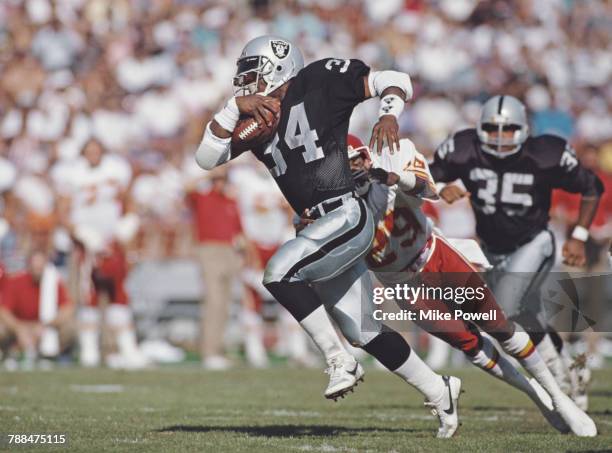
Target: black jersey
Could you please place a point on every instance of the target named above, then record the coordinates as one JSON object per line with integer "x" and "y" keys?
{"x": 511, "y": 196}
{"x": 308, "y": 156}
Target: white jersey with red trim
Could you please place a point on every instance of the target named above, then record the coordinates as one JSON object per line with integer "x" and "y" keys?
{"x": 95, "y": 194}
{"x": 402, "y": 229}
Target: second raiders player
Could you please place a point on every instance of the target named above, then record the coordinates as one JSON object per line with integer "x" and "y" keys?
{"x": 509, "y": 177}
{"x": 307, "y": 157}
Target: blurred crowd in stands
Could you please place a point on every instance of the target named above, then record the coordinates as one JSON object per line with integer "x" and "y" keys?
{"x": 103, "y": 102}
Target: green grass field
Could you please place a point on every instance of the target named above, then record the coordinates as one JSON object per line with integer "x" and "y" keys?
{"x": 186, "y": 409}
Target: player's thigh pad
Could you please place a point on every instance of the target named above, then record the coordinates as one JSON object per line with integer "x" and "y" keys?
{"x": 325, "y": 248}
{"x": 348, "y": 299}
{"x": 519, "y": 272}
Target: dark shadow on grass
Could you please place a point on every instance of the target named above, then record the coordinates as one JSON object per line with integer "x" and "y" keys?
{"x": 283, "y": 430}
{"x": 605, "y": 412}
{"x": 495, "y": 408}
{"x": 380, "y": 407}
{"x": 601, "y": 392}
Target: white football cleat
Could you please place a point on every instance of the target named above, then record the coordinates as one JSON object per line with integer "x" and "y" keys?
{"x": 447, "y": 408}
{"x": 119, "y": 361}
{"x": 579, "y": 422}
{"x": 216, "y": 363}
{"x": 544, "y": 402}
{"x": 344, "y": 374}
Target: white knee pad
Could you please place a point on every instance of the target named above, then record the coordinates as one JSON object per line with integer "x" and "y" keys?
{"x": 283, "y": 260}
{"x": 118, "y": 315}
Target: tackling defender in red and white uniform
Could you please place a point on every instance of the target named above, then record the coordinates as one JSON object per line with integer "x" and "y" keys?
{"x": 406, "y": 245}
{"x": 92, "y": 206}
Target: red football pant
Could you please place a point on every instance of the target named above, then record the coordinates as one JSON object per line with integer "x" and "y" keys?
{"x": 109, "y": 274}
{"x": 446, "y": 267}
{"x": 264, "y": 253}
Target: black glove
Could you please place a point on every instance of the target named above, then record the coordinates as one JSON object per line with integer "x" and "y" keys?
{"x": 378, "y": 175}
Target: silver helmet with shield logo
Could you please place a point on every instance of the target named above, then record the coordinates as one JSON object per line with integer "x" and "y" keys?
{"x": 501, "y": 115}
{"x": 269, "y": 58}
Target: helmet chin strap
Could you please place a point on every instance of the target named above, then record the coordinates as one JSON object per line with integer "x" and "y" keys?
{"x": 269, "y": 89}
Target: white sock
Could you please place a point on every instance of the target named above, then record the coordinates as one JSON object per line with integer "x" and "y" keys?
{"x": 253, "y": 339}
{"x": 89, "y": 347}
{"x": 521, "y": 348}
{"x": 416, "y": 373}
{"x": 489, "y": 359}
{"x": 318, "y": 325}
{"x": 49, "y": 343}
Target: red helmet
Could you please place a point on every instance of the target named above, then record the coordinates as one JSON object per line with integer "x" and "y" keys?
{"x": 356, "y": 148}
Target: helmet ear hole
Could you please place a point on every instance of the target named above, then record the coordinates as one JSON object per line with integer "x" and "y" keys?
{"x": 279, "y": 68}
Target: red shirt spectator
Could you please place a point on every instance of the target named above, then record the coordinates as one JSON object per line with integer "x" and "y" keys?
{"x": 569, "y": 203}
{"x": 21, "y": 296}
{"x": 216, "y": 216}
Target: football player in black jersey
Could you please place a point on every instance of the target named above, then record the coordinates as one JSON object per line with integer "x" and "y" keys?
{"x": 308, "y": 159}
{"x": 509, "y": 177}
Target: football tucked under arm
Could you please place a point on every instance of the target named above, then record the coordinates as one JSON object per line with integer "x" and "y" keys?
{"x": 229, "y": 133}
{"x": 249, "y": 134}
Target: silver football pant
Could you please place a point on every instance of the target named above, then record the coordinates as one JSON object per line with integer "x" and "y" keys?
{"x": 325, "y": 248}
{"x": 520, "y": 273}
{"x": 348, "y": 300}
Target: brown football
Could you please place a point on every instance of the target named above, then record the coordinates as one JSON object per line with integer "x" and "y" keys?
{"x": 249, "y": 134}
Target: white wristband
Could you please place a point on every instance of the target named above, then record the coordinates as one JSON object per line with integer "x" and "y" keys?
{"x": 580, "y": 233}
{"x": 391, "y": 104}
{"x": 228, "y": 116}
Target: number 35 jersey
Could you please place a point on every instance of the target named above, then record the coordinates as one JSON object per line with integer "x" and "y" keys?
{"x": 511, "y": 196}
{"x": 307, "y": 155}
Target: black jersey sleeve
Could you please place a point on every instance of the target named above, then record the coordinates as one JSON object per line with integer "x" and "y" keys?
{"x": 567, "y": 172}
{"x": 342, "y": 80}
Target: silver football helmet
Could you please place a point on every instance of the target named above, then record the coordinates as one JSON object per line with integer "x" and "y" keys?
{"x": 502, "y": 114}
{"x": 273, "y": 59}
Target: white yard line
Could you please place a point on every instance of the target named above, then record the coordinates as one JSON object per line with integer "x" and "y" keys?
{"x": 99, "y": 388}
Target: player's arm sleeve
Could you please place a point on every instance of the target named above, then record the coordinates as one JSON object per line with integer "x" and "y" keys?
{"x": 379, "y": 81}
{"x": 571, "y": 176}
{"x": 442, "y": 168}
{"x": 412, "y": 169}
{"x": 213, "y": 151}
